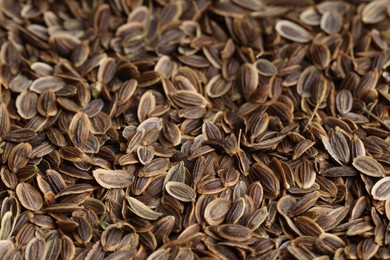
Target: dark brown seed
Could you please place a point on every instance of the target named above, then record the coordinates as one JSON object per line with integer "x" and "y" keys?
{"x": 26, "y": 104}
{"x": 305, "y": 175}
{"x": 19, "y": 156}
{"x": 234, "y": 232}
{"x": 29, "y": 197}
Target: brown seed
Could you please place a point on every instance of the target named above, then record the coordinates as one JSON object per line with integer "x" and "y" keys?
{"x": 141, "y": 209}
{"x": 79, "y": 129}
{"x": 146, "y": 104}
{"x": 381, "y": 189}
{"x": 145, "y": 154}
{"x": 26, "y": 104}
{"x": 155, "y": 167}
{"x": 305, "y": 174}
{"x": 68, "y": 249}
{"x": 47, "y": 83}
{"x": 331, "y": 22}
{"x": 320, "y": 55}
{"x": 217, "y": 86}
{"x": 368, "y": 166}
{"x": 374, "y": 11}
{"x": 249, "y": 79}
{"x": 188, "y": 98}
{"x": 19, "y": 156}
{"x": 29, "y": 197}
{"x": 236, "y": 211}
{"x": 257, "y": 218}
{"x": 292, "y": 31}
{"x": 340, "y": 146}
{"x": 302, "y": 147}
{"x": 111, "y": 179}
{"x": 180, "y": 191}
{"x": 344, "y": 101}
{"x": 35, "y": 249}
{"x": 266, "y": 68}
{"x": 47, "y": 105}
{"x": 111, "y": 238}
{"x": 267, "y": 178}
{"x": 234, "y": 232}
{"x": 216, "y": 211}
{"x": 310, "y": 16}
{"x": 20, "y": 135}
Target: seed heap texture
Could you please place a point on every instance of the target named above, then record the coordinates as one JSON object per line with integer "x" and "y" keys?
{"x": 236, "y": 129}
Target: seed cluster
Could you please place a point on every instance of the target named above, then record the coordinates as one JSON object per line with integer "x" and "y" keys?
{"x": 208, "y": 129}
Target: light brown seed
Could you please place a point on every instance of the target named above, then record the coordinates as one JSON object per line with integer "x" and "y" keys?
{"x": 368, "y": 166}
{"x": 79, "y": 129}
{"x": 310, "y": 16}
{"x": 292, "y": 31}
{"x": 381, "y": 189}
{"x": 216, "y": 211}
{"x": 141, "y": 210}
{"x": 331, "y": 22}
{"x": 146, "y": 104}
{"x": 35, "y": 249}
{"x": 47, "y": 83}
{"x": 145, "y": 154}
{"x": 111, "y": 179}
{"x": 180, "y": 191}
{"x": 375, "y": 11}
{"x": 340, "y": 148}
{"x": 217, "y": 86}
{"x": 344, "y": 101}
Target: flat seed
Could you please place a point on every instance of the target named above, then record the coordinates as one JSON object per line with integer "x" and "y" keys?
{"x": 381, "y": 189}
{"x": 234, "y": 232}
{"x": 29, "y": 197}
{"x": 111, "y": 179}
{"x": 141, "y": 209}
{"x": 292, "y": 31}
{"x": 180, "y": 191}
{"x": 368, "y": 166}
{"x": 216, "y": 210}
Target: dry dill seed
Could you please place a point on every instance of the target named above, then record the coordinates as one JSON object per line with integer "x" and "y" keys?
{"x": 171, "y": 129}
